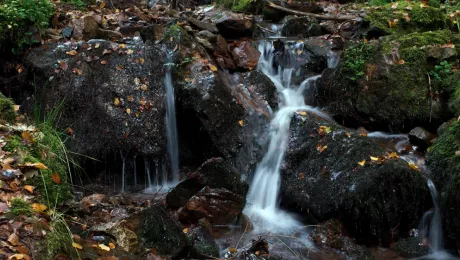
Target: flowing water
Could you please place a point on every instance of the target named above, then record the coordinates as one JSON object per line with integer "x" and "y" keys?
{"x": 123, "y": 170}
{"x": 263, "y": 194}
{"x": 171, "y": 125}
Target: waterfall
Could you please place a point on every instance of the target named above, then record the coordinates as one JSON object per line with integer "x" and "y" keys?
{"x": 171, "y": 126}
{"x": 123, "y": 170}
{"x": 263, "y": 194}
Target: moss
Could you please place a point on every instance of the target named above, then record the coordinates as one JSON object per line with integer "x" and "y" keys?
{"x": 21, "y": 207}
{"x": 6, "y": 109}
{"x": 252, "y": 6}
{"x": 416, "y": 40}
{"x": 354, "y": 58}
{"x": 13, "y": 143}
{"x": 453, "y": 85}
{"x": 406, "y": 17}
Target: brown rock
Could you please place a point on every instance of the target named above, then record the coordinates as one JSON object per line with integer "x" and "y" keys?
{"x": 203, "y": 25}
{"x": 221, "y": 54}
{"x": 245, "y": 56}
{"x": 93, "y": 199}
{"x": 233, "y": 25}
{"x": 219, "y": 206}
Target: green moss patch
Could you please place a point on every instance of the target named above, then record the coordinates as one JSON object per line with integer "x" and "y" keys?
{"x": 6, "y": 109}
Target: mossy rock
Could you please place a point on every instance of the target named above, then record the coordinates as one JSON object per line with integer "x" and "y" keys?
{"x": 403, "y": 17}
{"x": 247, "y": 6}
{"x": 160, "y": 231}
{"x": 453, "y": 83}
{"x": 384, "y": 84}
{"x": 301, "y": 27}
{"x": 443, "y": 159}
{"x": 6, "y": 109}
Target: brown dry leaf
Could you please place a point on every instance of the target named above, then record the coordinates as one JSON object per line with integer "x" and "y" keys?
{"x": 362, "y": 163}
{"x": 130, "y": 51}
{"x": 130, "y": 98}
{"x": 392, "y": 24}
{"x": 111, "y": 245}
{"x": 120, "y": 67}
{"x": 77, "y": 246}
{"x": 116, "y": 102}
{"x": 103, "y": 62}
{"x": 69, "y": 131}
{"x": 257, "y": 252}
{"x": 301, "y": 176}
{"x": 19, "y": 256}
{"x": 39, "y": 207}
{"x": 77, "y": 71}
{"x": 363, "y": 134}
{"x": 27, "y": 137}
{"x": 144, "y": 87}
{"x": 13, "y": 239}
{"x": 56, "y": 178}
{"x": 212, "y": 67}
{"x": 400, "y": 62}
{"x": 232, "y": 250}
{"x": 348, "y": 134}
{"x": 448, "y": 45}
{"x": 63, "y": 65}
{"x": 241, "y": 122}
{"x": 29, "y": 188}
{"x": 72, "y": 53}
{"x": 3, "y": 207}
{"x": 104, "y": 247}
{"x": 39, "y": 165}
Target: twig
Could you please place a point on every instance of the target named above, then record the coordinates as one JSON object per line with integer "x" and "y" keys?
{"x": 247, "y": 223}
{"x": 265, "y": 29}
{"x": 288, "y": 248}
{"x": 317, "y": 16}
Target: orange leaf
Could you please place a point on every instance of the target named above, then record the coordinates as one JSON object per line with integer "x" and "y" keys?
{"x": 111, "y": 245}
{"x": 34, "y": 165}
{"x": 77, "y": 246}
{"x": 39, "y": 207}
{"x": 393, "y": 155}
{"x": 301, "y": 176}
{"x": 72, "y": 52}
{"x": 29, "y": 188}
{"x": 241, "y": 122}
{"x": 413, "y": 166}
{"x": 212, "y": 67}
{"x": 56, "y": 178}
{"x": 103, "y": 62}
{"x": 362, "y": 163}
{"x": 116, "y": 101}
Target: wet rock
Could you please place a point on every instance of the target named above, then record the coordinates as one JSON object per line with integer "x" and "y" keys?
{"x": 330, "y": 235}
{"x": 439, "y": 52}
{"x": 213, "y": 173}
{"x": 219, "y": 206}
{"x": 232, "y": 25}
{"x": 245, "y": 55}
{"x": 421, "y": 137}
{"x": 127, "y": 108}
{"x": 202, "y": 242}
{"x": 93, "y": 199}
{"x": 321, "y": 173}
{"x": 301, "y": 27}
{"x": 122, "y": 231}
{"x": 308, "y": 7}
{"x": 160, "y": 231}
{"x": 221, "y": 53}
{"x": 210, "y": 27}
{"x": 88, "y": 27}
{"x": 443, "y": 160}
{"x": 410, "y": 247}
{"x": 206, "y": 34}
{"x": 152, "y": 33}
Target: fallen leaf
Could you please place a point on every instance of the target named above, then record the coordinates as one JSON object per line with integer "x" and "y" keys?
{"x": 413, "y": 166}
{"x": 122, "y": 46}
{"x": 374, "y": 158}
{"x": 72, "y": 52}
{"x": 301, "y": 176}
{"x": 363, "y": 134}
{"x": 232, "y": 250}
{"x": 400, "y": 62}
{"x": 241, "y": 122}
{"x": 39, "y": 165}
{"x": 97, "y": 45}
{"x": 257, "y": 253}
{"x": 39, "y": 207}
{"x": 104, "y": 247}
{"x": 302, "y": 113}
{"x": 141, "y": 60}
{"x": 102, "y": 5}
{"x": 348, "y": 134}
{"x": 103, "y": 62}
{"x": 63, "y": 65}
{"x": 320, "y": 148}
{"x": 395, "y": 5}
{"x": 393, "y": 155}
{"x": 130, "y": 51}
{"x": 13, "y": 239}
{"x": 212, "y": 67}
{"x": 3, "y": 207}
{"x": 56, "y": 178}
{"x": 27, "y": 137}
{"x": 116, "y": 102}
{"x": 77, "y": 246}
{"x": 111, "y": 245}
{"x": 29, "y": 188}
{"x": 423, "y": 5}
{"x": 128, "y": 111}
{"x": 19, "y": 256}
{"x": 130, "y": 98}
{"x": 185, "y": 230}
{"x": 324, "y": 130}
{"x": 144, "y": 87}
{"x": 362, "y": 163}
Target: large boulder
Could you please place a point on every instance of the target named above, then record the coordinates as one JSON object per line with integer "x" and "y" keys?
{"x": 328, "y": 171}
{"x": 384, "y": 84}
{"x": 111, "y": 94}
{"x": 233, "y": 25}
{"x": 302, "y": 27}
{"x": 245, "y": 55}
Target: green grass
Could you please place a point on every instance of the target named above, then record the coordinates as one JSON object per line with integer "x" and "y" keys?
{"x": 21, "y": 207}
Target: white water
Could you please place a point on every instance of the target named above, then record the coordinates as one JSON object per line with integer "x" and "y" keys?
{"x": 263, "y": 194}
{"x": 123, "y": 170}
{"x": 171, "y": 126}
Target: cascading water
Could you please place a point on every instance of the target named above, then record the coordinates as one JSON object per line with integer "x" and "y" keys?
{"x": 171, "y": 126}
{"x": 123, "y": 170}
{"x": 263, "y": 194}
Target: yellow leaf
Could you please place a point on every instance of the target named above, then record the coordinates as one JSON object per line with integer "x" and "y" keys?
{"x": 362, "y": 163}
{"x": 39, "y": 207}
{"x": 102, "y": 5}
{"x": 116, "y": 102}
{"x": 374, "y": 158}
{"x": 413, "y": 166}
{"x": 141, "y": 60}
{"x": 302, "y": 113}
{"x": 97, "y": 45}
{"x": 77, "y": 246}
{"x": 40, "y": 166}
{"x": 363, "y": 134}
{"x": 400, "y": 62}
{"x": 320, "y": 148}
{"x": 423, "y": 5}
{"x": 122, "y": 46}
{"x": 104, "y": 247}
{"x": 257, "y": 252}
{"x": 130, "y": 51}
{"x": 29, "y": 188}
{"x": 128, "y": 111}
{"x": 72, "y": 52}
{"x": 393, "y": 155}
{"x": 185, "y": 230}
{"x": 212, "y": 67}
{"x": 241, "y": 122}
{"x": 111, "y": 245}
{"x": 324, "y": 130}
